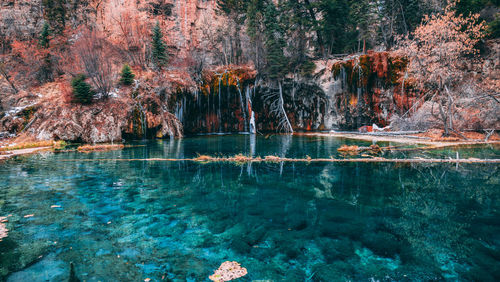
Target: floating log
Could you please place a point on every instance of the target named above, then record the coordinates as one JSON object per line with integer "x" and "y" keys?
{"x": 275, "y": 159}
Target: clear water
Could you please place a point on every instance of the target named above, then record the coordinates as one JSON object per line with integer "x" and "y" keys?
{"x": 119, "y": 220}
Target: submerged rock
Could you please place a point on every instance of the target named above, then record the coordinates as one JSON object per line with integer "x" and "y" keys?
{"x": 382, "y": 243}
{"x": 338, "y": 271}
{"x": 48, "y": 269}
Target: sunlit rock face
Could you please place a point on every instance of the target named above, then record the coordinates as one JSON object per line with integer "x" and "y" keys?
{"x": 187, "y": 25}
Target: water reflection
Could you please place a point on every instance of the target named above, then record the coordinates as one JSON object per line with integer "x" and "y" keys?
{"x": 133, "y": 220}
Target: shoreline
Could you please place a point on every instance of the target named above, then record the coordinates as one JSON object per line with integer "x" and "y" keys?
{"x": 403, "y": 139}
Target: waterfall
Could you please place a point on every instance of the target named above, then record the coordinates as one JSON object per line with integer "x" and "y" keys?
{"x": 179, "y": 110}
{"x": 243, "y": 110}
{"x": 250, "y": 111}
{"x": 143, "y": 120}
{"x": 218, "y": 110}
{"x": 359, "y": 94}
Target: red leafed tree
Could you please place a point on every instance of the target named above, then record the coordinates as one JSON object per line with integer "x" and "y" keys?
{"x": 95, "y": 54}
{"x": 31, "y": 61}
{"x": 441, "y": 52}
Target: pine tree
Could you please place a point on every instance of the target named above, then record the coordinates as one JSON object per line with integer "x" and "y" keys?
{"x": 55, "y": 13}
{"x": 82, "y": 91}
{"x": 276, "y": 60}
{"x": 159, "y": 52}
{"x": 44, "y": 36}
{"x": 45, "y": 72}
{"x": 127, "y": 77}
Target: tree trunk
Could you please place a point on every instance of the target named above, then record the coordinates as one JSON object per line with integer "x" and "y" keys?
{"x": 4, "y": 73}
{"x": 288, "y": 128}
{"x": 315, "y": 22}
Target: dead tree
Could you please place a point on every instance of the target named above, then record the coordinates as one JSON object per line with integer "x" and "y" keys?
{"x": 277, "y": 107}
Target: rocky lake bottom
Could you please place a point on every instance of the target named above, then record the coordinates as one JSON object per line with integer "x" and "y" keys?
{"x": 119, "y": 217}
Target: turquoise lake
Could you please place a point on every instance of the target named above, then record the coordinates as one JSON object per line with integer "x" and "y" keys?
{"x": 118, "y": 217}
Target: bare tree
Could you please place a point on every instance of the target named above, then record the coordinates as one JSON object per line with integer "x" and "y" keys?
{"x": 133, "y": 37}
{"x": 94, "y": 52}
{"x": 277, "y": 107}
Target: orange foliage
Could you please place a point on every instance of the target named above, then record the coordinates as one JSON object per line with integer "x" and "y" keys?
{"x": 438, "y": 48}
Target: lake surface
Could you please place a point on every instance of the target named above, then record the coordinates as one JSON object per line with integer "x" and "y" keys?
{"x": 120, "y": 220}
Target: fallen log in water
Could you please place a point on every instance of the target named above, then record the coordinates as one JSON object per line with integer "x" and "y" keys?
{"x": 99, "y": 147}
{"x": 275, "y": 159}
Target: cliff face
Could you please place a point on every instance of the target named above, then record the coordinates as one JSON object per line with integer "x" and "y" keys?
{"x": 188, "y": 25}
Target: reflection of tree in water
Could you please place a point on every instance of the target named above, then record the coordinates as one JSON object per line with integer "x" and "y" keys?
{"x": 438, "y": 204}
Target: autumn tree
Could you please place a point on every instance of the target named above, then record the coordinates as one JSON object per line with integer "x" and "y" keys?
{"x": 95, "y": 54}
{"x": 159, "y": 49}
{"x": 440, "y": 52}
{"x": 5, "y": 73}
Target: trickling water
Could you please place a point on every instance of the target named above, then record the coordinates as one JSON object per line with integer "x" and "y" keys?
{"x": 243, "y": 108}
{"x": 143, "y": 120}
{"x": 248, "y": 99}
{"x": 219, "y": 109}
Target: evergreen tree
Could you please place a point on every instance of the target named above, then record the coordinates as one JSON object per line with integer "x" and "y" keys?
{"x": 82, "y": 92}
{"x": 44, "y": 36}
{"x": 127, "y": 77}
{"x": 275, "y": 43}
{"x": 336, "y": 26}
{"x": 45, "y": 73}
{"x": 362, "y": 12}
{"x": 159, "y": 52}
{"x": 55, "y": 13}
{"x": 229, "y": 7}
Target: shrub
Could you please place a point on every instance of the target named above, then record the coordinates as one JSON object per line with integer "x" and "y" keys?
{"x": 82, "y": 92}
